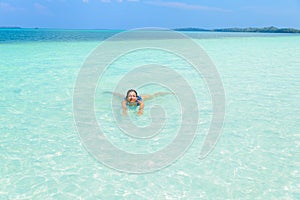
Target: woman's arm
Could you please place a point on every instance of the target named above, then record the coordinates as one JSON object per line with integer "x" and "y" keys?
{"x": 151, "y": 96}
{"x": 141, "y": 108}
{"x": 124, "y": 107}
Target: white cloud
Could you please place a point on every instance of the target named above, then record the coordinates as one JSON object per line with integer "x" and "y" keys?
{"x": 85, "y": 1}
{"x": 185, "y": 6}
{"x": 41, "y": 9}
{"x": 7, "y": 7}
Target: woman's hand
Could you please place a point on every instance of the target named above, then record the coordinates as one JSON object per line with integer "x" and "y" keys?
{"x": 140, "y": 112}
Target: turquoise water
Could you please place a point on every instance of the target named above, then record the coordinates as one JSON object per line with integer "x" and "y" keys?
{"x": 256, "y": 157}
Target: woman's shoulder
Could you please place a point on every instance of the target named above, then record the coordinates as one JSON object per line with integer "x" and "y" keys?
{"x": 139, "y": 98}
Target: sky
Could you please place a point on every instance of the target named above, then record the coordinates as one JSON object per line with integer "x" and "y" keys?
{"x": 129, "y": 14}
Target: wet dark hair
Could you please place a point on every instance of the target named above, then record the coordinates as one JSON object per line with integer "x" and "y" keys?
{"x": 131, "y": 90}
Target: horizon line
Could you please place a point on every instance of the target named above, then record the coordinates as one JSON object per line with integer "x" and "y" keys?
{"x": 122, "y": 29}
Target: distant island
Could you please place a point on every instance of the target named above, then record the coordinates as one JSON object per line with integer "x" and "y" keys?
{"x": 10, "y": 27}
{"x": 270, "y": 29}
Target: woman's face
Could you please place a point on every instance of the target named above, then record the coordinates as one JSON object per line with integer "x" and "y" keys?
{"x": 131, "y": 97}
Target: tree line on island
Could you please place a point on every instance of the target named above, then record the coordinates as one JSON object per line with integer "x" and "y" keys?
{"x": 270, "y": 29}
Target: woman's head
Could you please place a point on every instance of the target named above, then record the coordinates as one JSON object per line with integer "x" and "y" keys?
{"x": 131, "y": 95}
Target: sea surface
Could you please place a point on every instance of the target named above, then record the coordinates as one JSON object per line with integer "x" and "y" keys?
{"x": 42, "y": 155}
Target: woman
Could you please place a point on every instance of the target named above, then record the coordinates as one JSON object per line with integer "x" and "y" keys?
{"x": 132, "y": 99}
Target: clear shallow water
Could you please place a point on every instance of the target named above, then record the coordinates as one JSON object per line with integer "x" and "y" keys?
{"x": 257, "y": 156}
